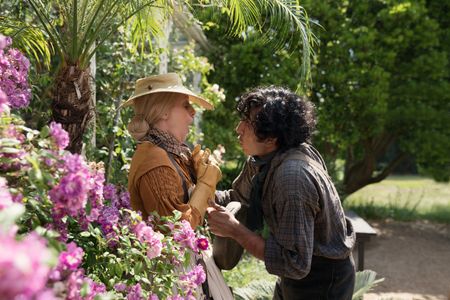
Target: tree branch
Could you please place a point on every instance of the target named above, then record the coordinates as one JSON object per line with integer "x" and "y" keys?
{"x": 392, "y": 165}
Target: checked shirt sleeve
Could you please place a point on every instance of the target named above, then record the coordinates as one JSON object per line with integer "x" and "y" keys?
{"x": 289, "y": 247}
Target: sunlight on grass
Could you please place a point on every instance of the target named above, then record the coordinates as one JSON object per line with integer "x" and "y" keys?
{"x": 249, "y": 269}
{"x": 404, "y": 198}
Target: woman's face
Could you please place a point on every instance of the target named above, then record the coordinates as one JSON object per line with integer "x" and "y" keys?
{"x": 179, "y": 118}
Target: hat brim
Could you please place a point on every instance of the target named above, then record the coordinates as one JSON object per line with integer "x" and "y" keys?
{"x": 179, "y": 90}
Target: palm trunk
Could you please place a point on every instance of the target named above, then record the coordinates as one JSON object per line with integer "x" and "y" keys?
{"x": 72, "y": 104}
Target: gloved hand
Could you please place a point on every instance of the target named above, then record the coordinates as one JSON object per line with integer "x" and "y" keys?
{"x": 206, "y": 167}
{"x": 208, "y": 174}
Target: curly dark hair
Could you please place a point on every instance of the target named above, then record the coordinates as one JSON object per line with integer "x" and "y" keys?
{"x": 280, "y": 113}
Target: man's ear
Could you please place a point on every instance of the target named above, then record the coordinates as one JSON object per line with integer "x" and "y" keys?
{"x": 271, "y": 141}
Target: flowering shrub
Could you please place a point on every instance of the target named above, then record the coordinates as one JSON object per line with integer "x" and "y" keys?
{"x": 64, "y": 234}
{"x": 14, "y": 75}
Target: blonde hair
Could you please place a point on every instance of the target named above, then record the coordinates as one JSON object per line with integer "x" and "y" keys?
{"x": 148, "y": 110}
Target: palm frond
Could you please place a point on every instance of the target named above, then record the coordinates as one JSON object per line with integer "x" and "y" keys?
{"x": 364, "y": 282}
{"x": 289, "y": 21}
{"x": 149, "y": 21}
{"x": 42, "y": 11}
{"x": 255, "y": 290}
{"x": 283, "y": 24}
{"x": 243, "y": 13}
{"x": 27, "y": 39}
{"x": 86, "y": 24}
{"x": 185, "y": 21}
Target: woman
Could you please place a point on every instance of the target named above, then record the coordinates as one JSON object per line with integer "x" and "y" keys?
{"x": 164, "y": 174}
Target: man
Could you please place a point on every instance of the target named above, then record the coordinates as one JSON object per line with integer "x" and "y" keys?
{"x": 285, "y": 184}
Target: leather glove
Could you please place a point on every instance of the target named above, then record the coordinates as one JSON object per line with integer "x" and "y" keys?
{"x": 200, "y": 197}
{"x": 208, "y": 174}
{"x": 206, "y": 167}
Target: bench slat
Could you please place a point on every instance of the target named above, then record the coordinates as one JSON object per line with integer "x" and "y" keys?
{"x": 359, "y": 224}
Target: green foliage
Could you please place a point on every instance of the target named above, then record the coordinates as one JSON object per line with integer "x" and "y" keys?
{"x": 84, "y": 25}
{"x": 364, "y": 282}
{"x": 230, "y": 170}
{"x": 256, "y": 290}
{"x": 118, "y": 67}
{"x": 380, "y": 82}
{"x": 250, "y": 280}
{"x": 249, "y": 270}
{"x": 27, "y": 39}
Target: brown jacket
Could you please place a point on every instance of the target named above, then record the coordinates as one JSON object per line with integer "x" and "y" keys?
{"x": 155, "y": 184}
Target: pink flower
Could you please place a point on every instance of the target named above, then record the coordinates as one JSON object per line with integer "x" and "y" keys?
{"x": 185, "y": 235}
{"x": 5, "y": 197}
{"x": 14, "y": 75}
{"x": 155, "y": 246}
{"x": 4, "y": 104}
{"x": 135, "y": 293}
{"x": 145, "y": 234}
{"x": 202, "y": 243}
{"x": 74, "y": 284}
{"x": 23, "y": 266}
{"x": 194, "y": 278}
{"x": 5, "y": 41}
{"x": 120, "y": 287}
{"x": 109, "y": 191}
{"x": 71, "y": 193}
{"x": 59, "y": 135}
{"x": 108, "y": 218}
{"x": 175, "y": 297}
{"x": 72, "y": 258}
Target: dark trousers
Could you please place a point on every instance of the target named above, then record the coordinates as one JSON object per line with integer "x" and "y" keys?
{"x": 329, "y": 279}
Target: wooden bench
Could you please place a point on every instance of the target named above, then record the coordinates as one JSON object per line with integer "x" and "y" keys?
{"x": 363, "y": 233}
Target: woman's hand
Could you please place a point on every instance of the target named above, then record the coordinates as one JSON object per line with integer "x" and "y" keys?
{"x": 206, "y": 167}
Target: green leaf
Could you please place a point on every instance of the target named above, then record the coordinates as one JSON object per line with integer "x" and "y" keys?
{"x": 85, "y": 289}
{"x": 85, "y": 234}
{"x": 138, "y": 266}
{"x": 364, "y": 282}
{"x": 118, "y": 270}
{"x": 45, "y": 131}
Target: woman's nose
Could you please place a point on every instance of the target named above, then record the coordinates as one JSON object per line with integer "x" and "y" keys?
{"x": 192, "y": 111}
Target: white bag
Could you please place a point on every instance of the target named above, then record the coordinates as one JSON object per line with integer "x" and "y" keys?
{"x": 218, "y": 288}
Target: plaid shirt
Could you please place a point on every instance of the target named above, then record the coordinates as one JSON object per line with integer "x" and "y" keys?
{"x": 302, "y": 210}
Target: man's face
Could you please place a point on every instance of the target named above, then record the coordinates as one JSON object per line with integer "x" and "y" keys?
{"x": 250, "y": 143}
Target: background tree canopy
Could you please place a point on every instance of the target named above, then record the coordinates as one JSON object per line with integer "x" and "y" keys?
{"x": 77, "y": 29}
{"x": 380, "y": 82}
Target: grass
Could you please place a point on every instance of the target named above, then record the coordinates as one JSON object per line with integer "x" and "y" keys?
{"x": 248, "y": 270}
{"x": 403, "y": 198}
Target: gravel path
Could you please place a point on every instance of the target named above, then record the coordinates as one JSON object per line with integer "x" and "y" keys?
{"x": 413, "y": 258}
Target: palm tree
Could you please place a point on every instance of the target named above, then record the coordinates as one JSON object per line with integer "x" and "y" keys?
{"x": 76, "y": 28}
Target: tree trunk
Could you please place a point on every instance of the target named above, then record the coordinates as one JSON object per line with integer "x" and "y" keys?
{"x": 71, "y": 105}
{"x": 363, "y": 172}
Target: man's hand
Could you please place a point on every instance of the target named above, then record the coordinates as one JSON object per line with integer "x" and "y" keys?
{"x": 221, "y": 221}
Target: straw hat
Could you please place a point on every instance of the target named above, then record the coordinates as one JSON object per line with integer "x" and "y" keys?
{"x": 170, "y": 82}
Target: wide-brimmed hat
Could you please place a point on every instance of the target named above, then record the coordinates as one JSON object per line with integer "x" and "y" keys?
{"x": 164, "y": 83}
